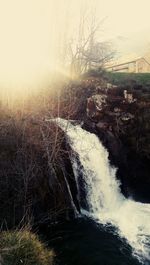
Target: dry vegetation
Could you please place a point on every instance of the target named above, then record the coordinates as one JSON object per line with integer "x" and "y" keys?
{"x": 33, "y": 170}
{"x": 23, "y": 247}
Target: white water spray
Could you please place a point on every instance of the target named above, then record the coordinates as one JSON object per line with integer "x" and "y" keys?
{"x": 105, "y": 201}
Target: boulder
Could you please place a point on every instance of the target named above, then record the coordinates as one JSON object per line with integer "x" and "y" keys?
{"x": 95, "y": 105}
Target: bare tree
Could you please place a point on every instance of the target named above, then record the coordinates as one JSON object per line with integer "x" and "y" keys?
{"x": 86, "y": 51}
{"x": 79, "y": 42}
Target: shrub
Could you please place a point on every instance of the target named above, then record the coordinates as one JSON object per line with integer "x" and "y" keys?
{"x": 23, "y": 247}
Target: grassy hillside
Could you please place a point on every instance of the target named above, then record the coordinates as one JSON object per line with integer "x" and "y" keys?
{"x": 120, "y": 78}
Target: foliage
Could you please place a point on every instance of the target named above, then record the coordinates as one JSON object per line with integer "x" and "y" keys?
{"x": 97, "y": 73}
{"x": 23, "y": 247}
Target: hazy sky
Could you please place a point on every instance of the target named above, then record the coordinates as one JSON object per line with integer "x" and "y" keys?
{"x": 30, "y": 30}
{"x": 125, "y": 16}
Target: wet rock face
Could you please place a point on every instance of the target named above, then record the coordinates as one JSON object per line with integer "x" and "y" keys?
{"x": 120, "y": 121}
{"x": 132, "y": 169}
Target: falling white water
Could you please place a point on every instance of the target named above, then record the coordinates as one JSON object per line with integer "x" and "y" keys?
{"x": 105, "y": 201}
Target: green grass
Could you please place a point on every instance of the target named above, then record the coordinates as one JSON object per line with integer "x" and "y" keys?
{"x": 23, "y": 247}
{"x": 121, "y": 78}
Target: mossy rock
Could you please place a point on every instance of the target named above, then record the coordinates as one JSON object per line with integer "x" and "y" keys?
{"x": 23, "y": 247}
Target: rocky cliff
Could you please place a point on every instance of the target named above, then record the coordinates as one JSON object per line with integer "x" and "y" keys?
{"x": 120, "y": 117}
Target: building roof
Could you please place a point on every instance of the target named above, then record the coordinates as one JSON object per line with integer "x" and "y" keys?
{"x": 127, "y": 62}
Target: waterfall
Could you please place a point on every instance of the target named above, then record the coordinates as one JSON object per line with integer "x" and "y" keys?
{"x": 105, "y": 202}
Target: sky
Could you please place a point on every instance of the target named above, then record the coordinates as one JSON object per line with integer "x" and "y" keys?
{"x": 31, "y": 30}
{"x": 125, "y": 16}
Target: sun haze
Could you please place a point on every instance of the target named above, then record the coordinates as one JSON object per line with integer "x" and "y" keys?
{"x": 31, "y": 32}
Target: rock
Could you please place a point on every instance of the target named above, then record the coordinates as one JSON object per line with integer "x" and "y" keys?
{"x": 128, "y": 96}
{"x": 95, "y": 105}
{"x": 116, "y": 110}
{"x": 102, "y": 125}
{"x": 109, "y": 85}
{"x": 98, "y": 89}
{"x": 127, "y": 116}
